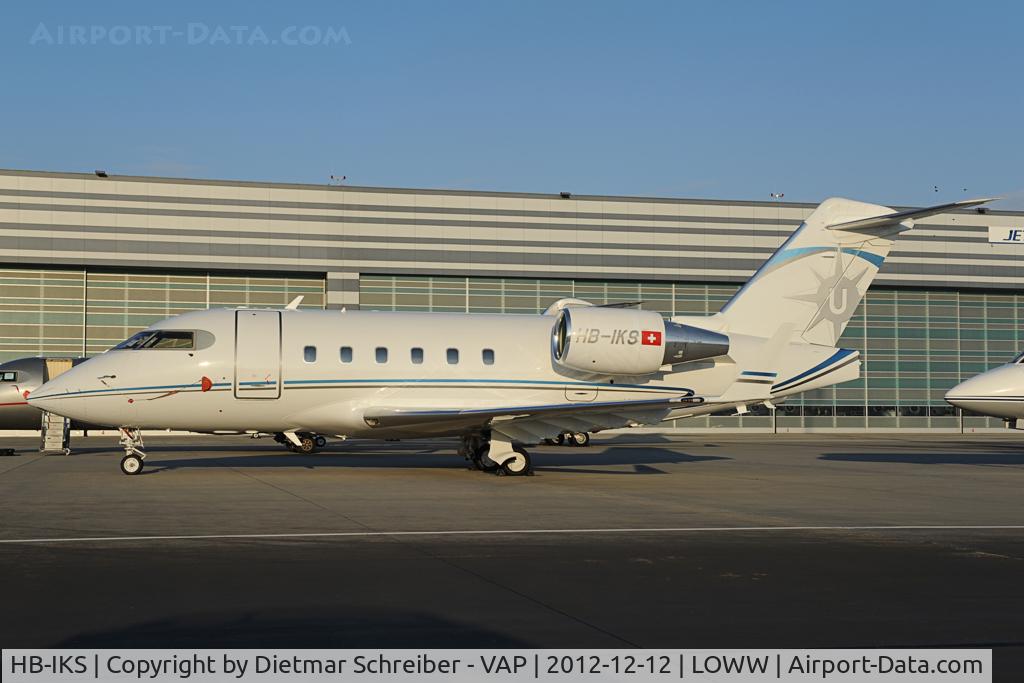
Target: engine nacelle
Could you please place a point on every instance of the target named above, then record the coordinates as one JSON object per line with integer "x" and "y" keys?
{"x": 618, "y": 341}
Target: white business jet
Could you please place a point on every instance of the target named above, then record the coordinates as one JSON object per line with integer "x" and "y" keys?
{"x": 998, "y": 392}
{"x": 497, "y": 381}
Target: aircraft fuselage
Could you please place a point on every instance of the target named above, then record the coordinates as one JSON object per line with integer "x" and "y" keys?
{"x": 275, "y": 371}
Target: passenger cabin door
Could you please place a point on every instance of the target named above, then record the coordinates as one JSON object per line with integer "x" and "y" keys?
{"x": 257, "y": 354}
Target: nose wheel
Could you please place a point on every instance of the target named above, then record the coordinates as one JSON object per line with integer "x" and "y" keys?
{"x": 131, "y": 464}
{"x": 134, "y": 456}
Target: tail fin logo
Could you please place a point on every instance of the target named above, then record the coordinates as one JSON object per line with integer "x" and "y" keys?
{"x": 838, "y": 295}
{"x": 838, "y": 308}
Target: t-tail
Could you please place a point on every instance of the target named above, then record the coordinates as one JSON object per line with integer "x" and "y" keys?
{"x": 817, "y": 278}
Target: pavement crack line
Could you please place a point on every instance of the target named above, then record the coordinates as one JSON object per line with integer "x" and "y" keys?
{"x": 498, "y": 532}
{"x": 418, "y": 548}
{"x": 315, "y": 504}
{"x": 22, "y": 464}
{"x": 508, "y": 589}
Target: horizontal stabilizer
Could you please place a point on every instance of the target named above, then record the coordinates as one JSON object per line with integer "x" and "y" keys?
{"x": 909, "y": 214}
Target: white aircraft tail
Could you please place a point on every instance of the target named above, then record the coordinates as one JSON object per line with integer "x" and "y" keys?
{"x": 817, "y": 278}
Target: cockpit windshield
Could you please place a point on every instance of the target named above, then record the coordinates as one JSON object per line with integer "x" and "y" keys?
{"x": 1019, "y": 359}
{"x": 159, "y": 339}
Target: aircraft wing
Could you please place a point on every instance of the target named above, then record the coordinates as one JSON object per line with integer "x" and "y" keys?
{"x": 531, "y": 423}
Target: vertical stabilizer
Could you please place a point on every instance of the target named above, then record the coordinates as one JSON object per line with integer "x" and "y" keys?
{"x": 816, "y": 279}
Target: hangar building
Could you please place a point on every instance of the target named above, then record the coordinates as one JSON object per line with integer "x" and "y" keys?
{"x": 85, "y": 261}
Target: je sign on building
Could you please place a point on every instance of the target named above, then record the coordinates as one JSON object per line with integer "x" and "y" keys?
{"x": 1004, "y": 235}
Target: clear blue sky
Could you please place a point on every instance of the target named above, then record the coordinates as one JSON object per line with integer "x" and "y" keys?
{"x": 875, "y": 100}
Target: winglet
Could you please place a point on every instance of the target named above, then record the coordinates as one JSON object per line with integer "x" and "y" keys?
{"x": 910, "y": 214}
{"x": 294, "y": 305}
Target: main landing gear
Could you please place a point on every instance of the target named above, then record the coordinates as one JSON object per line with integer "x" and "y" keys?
{"x": 131, "y": 440}
{"x": 577, "y": 439}
{"x": 496, "y": 453}
{"x": 300, "y": 442}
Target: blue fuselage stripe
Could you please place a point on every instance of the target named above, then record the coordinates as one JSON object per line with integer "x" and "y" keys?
{"x": 523, "y": 383}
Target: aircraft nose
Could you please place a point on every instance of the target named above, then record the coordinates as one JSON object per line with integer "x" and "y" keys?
{"x": 996, "y": 392}
{"x": 54, "y": 397}
{"x": 45, "y": 394}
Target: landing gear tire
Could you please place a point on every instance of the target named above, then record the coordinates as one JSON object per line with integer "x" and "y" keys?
{"x": 475, "y": 448}
{"x": 518, "y": 466}
{"x": 320, "y": 442}
{"x": 131, "y": 464}
{"x": 307, "y": 444}
{"x": 482, "y": 462}
{"x": 131, "y": 441}
{"x": 580, "y": 439}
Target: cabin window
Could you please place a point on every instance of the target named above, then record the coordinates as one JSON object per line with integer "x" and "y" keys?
{"x": 159, "y": 339}
{"x": 381, "y": 354}
{"x": 309, "y": 354}
{"x": 488, "y": 356}
{"x": 346, "y": 354}
{"x": 453, "y": 356}
{"x": 8, "y": 377}
{"x": 416, "y": 355}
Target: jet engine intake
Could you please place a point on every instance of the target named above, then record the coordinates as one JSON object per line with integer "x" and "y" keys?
{"x": 616, "y": 341}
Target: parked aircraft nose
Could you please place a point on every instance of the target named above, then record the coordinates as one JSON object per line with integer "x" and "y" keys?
{"x": 60, "y": 396}
{"x": 14, "y": 411}
{"x": 998, "y": 392}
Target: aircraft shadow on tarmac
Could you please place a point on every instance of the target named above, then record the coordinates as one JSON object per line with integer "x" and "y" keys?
{"x": 326, "y": 628}
{"x": 642, "y": 460}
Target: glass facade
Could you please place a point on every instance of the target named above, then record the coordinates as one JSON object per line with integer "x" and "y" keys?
{"x": 915, "y": 344}
{"x": 42, "y": 313}
{"x": 68, "y": 313}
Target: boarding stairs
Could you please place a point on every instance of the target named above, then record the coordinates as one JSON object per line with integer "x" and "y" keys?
{"x": 55, "y": 431}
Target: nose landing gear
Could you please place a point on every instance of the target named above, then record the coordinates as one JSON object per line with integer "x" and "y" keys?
{"x": 131, "y": 440}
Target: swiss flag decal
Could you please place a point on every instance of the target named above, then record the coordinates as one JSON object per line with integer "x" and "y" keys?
{"x": 650, "y": 338}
